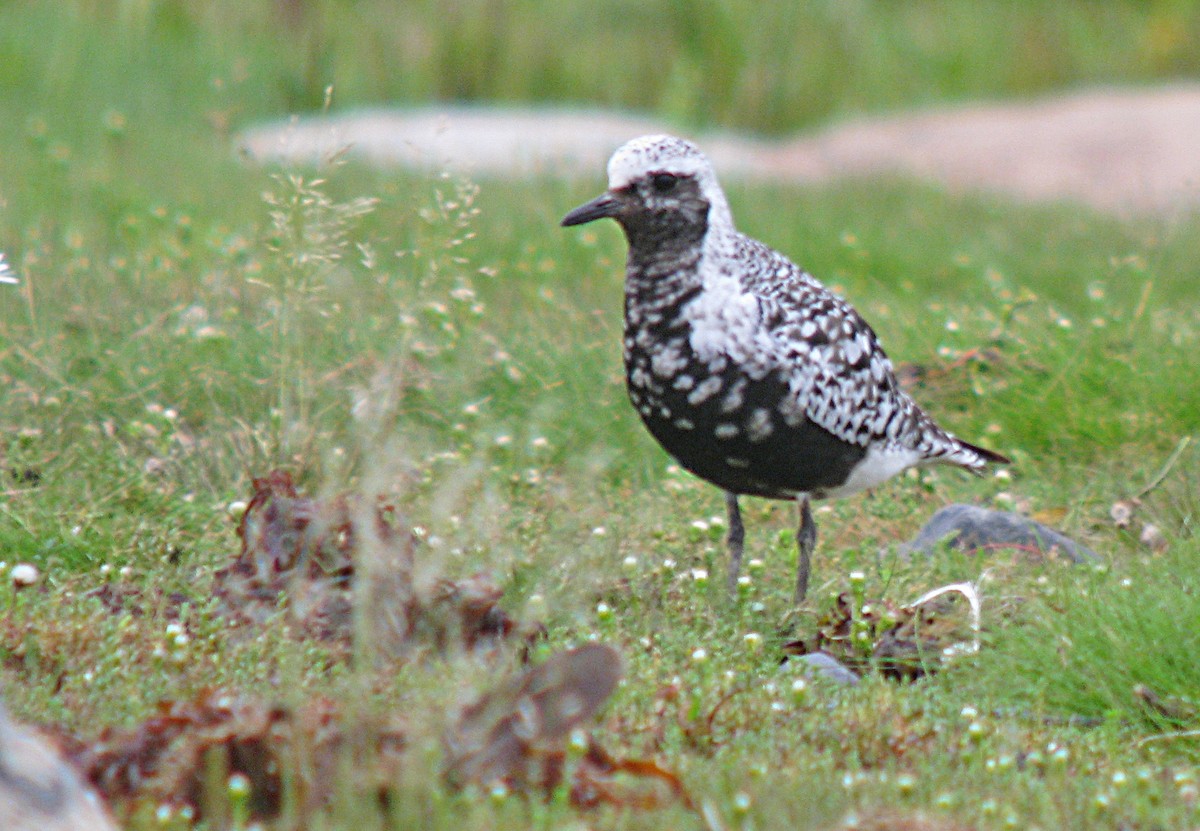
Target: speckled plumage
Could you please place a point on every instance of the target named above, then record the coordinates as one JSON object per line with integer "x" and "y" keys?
{"x": 745, "y": 368}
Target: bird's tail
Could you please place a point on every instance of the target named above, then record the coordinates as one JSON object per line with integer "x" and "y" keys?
{"x": 972, "y": 457}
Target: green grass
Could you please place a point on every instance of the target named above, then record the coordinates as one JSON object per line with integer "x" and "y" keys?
{"x": 454, "y": 349}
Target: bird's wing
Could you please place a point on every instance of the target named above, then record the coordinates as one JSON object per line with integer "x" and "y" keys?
{"x": 838, "y": 375}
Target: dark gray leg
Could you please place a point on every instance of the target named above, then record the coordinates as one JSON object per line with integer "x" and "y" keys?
{"x": 736, "y": 538}
{"x": 806, "y": 541}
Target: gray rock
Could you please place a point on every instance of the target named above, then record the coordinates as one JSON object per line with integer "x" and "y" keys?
{"x": 39, "y": 790}
{"x": 822, "y": 665}
{"x": 970, "y": 528}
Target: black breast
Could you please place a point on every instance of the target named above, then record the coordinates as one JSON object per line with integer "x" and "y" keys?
{"x": 730, "y": 429}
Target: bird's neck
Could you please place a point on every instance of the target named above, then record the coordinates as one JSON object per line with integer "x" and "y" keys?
{"x": 663, "y": 268}
{"x": 659, "y": 280}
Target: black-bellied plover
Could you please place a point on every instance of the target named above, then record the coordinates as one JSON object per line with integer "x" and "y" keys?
{"x": 746, "y": 369}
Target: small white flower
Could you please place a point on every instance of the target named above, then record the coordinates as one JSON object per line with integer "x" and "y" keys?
{"x": 699, "y": 656}
{"x": 599, "y": 531}
{"x": 700, "y": 575}
{"x": 577, "y": 742}
{"x": 6, "y": 275}
{"x": 799, "y": 691}
{"x": 741, "y": 803}
{"x": 23, "y": 574}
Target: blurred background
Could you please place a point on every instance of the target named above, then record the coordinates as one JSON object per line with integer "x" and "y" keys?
{"x": 195, "y": 68}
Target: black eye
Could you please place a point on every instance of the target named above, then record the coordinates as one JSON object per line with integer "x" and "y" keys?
{"x": 664, "y": 182}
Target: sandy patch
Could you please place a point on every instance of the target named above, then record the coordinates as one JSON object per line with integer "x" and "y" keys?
{"x": 1127, "y": 151}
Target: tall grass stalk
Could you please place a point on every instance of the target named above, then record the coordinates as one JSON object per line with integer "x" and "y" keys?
{"x": 310, "y": 237}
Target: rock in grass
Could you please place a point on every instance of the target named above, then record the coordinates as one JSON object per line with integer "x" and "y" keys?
{"x": 970, "y": 528}
{"x": 823, "y": 665}
{"x": 39, "y": 791}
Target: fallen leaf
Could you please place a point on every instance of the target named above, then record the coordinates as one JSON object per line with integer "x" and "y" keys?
{"x": 508, "y": 733}
{"x": 517, "y": 734}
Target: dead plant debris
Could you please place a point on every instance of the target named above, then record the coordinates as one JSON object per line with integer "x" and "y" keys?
{"x": 169, "y": 758}
{"x": 318, "y": 560}
{"x": 903, "y": 642}
{"x": 528, "y": 734}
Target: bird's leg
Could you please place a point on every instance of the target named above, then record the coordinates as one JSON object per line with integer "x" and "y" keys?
{"x": 736, "y": 538}
{"x": 806, "y": 541}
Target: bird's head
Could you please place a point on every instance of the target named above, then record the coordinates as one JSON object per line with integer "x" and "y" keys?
{"x": 659, "y": 187}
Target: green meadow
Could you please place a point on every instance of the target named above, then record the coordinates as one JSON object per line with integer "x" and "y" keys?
{"x": 186, "y": 321}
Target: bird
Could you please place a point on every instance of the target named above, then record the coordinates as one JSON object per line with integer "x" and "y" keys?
{"x": 747, "y": 370}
